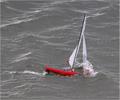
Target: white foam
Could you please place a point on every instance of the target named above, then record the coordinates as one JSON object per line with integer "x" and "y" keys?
{"x": 35, "y": 73}
{"x": 31, "y": 72}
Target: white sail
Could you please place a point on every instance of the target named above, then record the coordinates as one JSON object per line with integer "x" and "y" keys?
{"x": 87, "y": 66}
{"x": 76, "y": 50}
{"x": 84, "y": 50}
{"x": 72, "y": 57}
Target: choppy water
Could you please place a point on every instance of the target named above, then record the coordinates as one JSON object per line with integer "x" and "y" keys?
{"x": 45, "y": 32}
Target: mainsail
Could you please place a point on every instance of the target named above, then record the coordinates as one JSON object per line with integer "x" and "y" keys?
{"x": 74, "y": 54}
{"x": 84, "y": 50}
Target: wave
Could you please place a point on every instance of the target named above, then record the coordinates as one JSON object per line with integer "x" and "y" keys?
{"x": 61, "y": 2}
{"x": 93, "y": 12}
{"x": 37, "y": 36}
{"x": 14, "y": 9}
{"x": 59, "y": 27}
{"x": 96, "y": 15}
{"x": 17, "y": 22}
{"x": 25, "y": 35}
{"x": 34, "y": 11}
{"x": 23, "y": 16}
{"x": 17, "y": 89}
{"x": 25, "y": 54}
{"x": 26, "y": 16}
{"x": 104, "y": 24}
{"x": 21, "y": 57}
{"x": 52, "y": 43}
{"x": 21, "y": 11}
{"x": 67, "y": 1}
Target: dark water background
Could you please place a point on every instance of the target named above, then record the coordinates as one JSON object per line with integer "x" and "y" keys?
{"x": 34, "y": 33}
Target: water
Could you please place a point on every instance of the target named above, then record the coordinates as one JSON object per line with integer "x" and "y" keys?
{"x": 35, "y": 33}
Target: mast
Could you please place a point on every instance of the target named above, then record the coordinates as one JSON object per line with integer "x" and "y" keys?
{"x": 80, "y": 38}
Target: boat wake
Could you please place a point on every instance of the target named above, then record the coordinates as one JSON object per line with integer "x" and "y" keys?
{"x": 26, "y": 72}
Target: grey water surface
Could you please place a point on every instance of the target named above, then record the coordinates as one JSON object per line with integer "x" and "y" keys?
{"x": 34, "y": 33}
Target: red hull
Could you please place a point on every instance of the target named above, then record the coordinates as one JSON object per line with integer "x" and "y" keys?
{"x": 60, "y": 71}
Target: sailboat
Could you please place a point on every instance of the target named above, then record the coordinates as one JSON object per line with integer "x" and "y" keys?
{"x": 72, "y": 59}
